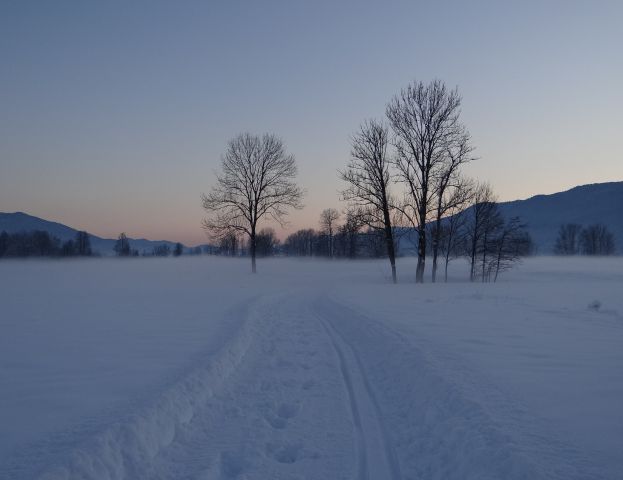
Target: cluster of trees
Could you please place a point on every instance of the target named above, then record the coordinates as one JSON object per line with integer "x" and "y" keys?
{"x": 40, "y": 243}
{"x": 234, "y": 244}
{"x": 404, "y": 170}
{"x": 574, "y": 239}
{"x": 419, "y": 150}
{"x": 349, "y": 240}
{"x": 164, "y": 250}
{"x": 476, "y": 231}
{"x": 123, "y": 248}
{"x": 491, "y": 243}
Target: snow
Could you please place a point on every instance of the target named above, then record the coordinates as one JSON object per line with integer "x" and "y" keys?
{"x": 193, "y": 368}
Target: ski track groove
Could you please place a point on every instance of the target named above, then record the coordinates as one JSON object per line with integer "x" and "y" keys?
{"x": 388, "y": 467}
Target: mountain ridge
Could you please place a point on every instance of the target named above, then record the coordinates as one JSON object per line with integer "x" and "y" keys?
{"x": 583, "y": 204}
{"x": 14, "y": 222}
{"x": 543, "y": 213}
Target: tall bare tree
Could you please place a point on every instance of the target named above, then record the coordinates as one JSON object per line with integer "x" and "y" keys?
{"x": 257, "y": 181}
{"x": 450, "y": 187}
{"x": 328, "y": 219}
{"x": 426, "y": 126}
{"x": 368, "y": 178}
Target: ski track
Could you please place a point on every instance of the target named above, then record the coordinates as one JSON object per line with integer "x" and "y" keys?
{"x": 375, "y": 451}
{"x": 291, "y": 396}
{"x": 277, "y": 418}
{"x": 440, "y": 428}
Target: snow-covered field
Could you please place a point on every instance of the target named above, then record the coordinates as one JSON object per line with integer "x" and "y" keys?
{"x": 193, "y": 368}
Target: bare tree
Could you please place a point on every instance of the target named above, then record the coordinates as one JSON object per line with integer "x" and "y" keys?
{"x": 83, "y": 244}
{"x": 257, "y": 181}
{"x": 328, "y": 219}
{"x": 426, "y": 126}
{"x": 452, "y": 231}
{"x": 597, "y": 240}
{"x": 492, "y": 223}
{"x": 450, "y": 187}
{"x": 368, "y": 178}
{"x": 483, "y": 218}
{"x": 122, "y": 246}
{"x": 568, "y": 240}
{"x": 512, "y": 243}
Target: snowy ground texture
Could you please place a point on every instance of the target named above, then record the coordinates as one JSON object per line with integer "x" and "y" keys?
{"x": 194, "y": 369}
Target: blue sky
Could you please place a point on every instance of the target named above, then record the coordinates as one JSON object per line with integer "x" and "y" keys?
{"x": 115, "y": 114}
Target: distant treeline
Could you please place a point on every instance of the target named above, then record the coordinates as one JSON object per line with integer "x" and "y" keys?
{"x": 348, "y": 242}
{"x": 574, "y": 239}
{"x": 40, "y": 243}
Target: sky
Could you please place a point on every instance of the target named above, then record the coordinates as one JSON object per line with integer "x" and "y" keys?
{"x": 114, "y": 115}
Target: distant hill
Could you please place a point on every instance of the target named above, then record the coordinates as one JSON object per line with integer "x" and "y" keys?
{"x": 22, "y": 222}
{"x": 584, "y": 205}
{"x": 543, "y": 214}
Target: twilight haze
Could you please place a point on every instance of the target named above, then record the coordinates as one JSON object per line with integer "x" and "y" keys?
{"x": 115, "y": 114}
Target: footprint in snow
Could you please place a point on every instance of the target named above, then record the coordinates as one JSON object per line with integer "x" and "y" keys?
{"x": 279, "y": 419}
{"x": 288, "y": 410}
{"x": 288, "y": 453}
{"x": 277, "y": 423}
{"x": 232, "y": 464}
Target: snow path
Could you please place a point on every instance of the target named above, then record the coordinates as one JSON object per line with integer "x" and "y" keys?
{"x": 281, "y": 415}
{"x": 311, "y": 376}
{"x": 375, "y": 451}
{"x": 290, "y": 397}
{"x": 273, "y": 406}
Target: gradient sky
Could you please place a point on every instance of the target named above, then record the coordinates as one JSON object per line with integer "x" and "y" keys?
{"x": 114, "y": 114}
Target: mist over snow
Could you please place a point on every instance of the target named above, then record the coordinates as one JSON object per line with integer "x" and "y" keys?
{"x": 193, "y": 368}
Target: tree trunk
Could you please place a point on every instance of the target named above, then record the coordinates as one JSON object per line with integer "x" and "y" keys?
{"x": 472, "y": 270}
{"x": 448, "y": 241}
{"x": 436, "y": 246}
{"x": 484, "y": 257}
{"x": 421, "y": 246}
{"x": 421, "y": 256}
{"x": 389, "y": 239}
{"x": 253, "y": 248}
